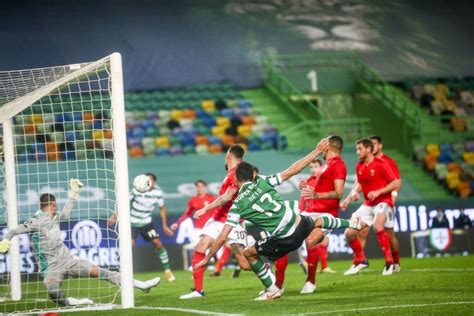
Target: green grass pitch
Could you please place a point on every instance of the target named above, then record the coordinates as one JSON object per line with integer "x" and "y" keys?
{"x": 440, "y": 286}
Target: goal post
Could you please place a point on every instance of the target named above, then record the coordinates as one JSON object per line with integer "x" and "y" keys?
{"x": 59, "y": 123}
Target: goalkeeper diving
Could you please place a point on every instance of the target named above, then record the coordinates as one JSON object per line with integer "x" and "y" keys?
{"x": 53, "y": 257}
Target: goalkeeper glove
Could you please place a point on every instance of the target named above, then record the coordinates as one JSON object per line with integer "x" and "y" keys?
{"x": 4, "y": 245}
{"x": 74, "y": 187}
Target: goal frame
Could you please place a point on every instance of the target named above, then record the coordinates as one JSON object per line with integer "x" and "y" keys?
{"x": 12, "y": 108}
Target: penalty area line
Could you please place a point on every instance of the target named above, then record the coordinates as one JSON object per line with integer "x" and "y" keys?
{"x": 185, "y": 310}
{"x": 386, "y": 307}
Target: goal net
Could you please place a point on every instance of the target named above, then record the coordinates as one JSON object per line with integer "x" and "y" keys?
{"x": 59, "y": 123}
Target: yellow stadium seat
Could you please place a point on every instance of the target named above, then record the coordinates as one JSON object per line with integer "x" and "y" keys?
{"x": 433, "y": 149}
{"x": 223, "y": 121}
{"x": 177, "y": 115}
{"x": 162, "y": 141}
{"x": 98, "y": 134}
{"x": 443, "y": 88}
{"x": 208, "y": 105}
{"x": 37, "y": 119}
{"x": 218, "y": 130}
{"x": 450, "y": 105}
{"x": 468, "y": 157}
{"x": 244, "y": 130}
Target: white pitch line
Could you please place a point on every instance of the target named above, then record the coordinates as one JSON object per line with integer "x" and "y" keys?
{"x": 425, "y": 270}
{"x": 185, "y": 310}
{"x": 352, "y": 310}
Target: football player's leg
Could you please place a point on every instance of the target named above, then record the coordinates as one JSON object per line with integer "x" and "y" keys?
{"x": 262, "y": 271}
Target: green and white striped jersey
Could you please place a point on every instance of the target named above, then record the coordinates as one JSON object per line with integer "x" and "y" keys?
{"x": 142, "y": 205}
{"x": 259, "y": 203}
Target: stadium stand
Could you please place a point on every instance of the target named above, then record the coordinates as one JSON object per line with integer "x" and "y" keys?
{"x": 202, "y": 119}
{"x": 450, "y": 164}
{"x": 451, "y": 101}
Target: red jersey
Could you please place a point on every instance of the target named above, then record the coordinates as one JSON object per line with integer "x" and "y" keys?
{"x": 196, "y": 203}
{"x": 220, "y": 213}
{"x": 374, "y": 176}
{"x": 392, "y": 164}
{"x": 305, "y": 203}
{"x": 333, "y": 169}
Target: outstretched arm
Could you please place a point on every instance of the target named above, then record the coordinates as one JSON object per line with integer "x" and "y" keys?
{"x": 299, "y": 165}
{"x": 309, "y": 193}
{"x": 221, "y": 200}
{"x": 218, "y": 243}
{"x": 75, "y": 186}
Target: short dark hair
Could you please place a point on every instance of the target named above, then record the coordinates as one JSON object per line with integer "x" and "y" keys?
{"x": 46, "y": 199}
{"x": 366, "y": 142}
{"x": 244, "y": 172}
{"x": 152, "y": 175}
{"x": 255, "y": 169}
{"x": 200, "y": 181}
{"x": 376, "y": 137}
{"x": 336, "y": 142}
{"x": 237, "y": 151}
{"x": 318, "y": 161}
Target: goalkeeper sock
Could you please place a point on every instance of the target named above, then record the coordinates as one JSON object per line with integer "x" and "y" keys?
{"x": 56, "y": 294}
{"x": 163, "y": 255}
{"x": 111, "y": 276}
{"x": 331, "y": 222}
{"x": 263, "y": 273}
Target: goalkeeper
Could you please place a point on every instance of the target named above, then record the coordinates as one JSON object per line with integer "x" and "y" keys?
{"x": 53, "y": 257}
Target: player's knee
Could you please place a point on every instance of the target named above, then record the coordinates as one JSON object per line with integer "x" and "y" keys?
{"x": 350, "y": 234}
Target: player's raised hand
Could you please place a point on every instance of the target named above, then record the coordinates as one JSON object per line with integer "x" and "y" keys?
{"x": 4, "y": 245}
{"x": 75, "y": 186}
{"x": 199, "y": 213}
{"x": 322, "y": 145}
{"x": 308, "y": 192}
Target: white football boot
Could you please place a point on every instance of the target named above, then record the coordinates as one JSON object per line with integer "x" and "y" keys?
{"x": 308, "y": 288}
{"x": 193, "y": 294}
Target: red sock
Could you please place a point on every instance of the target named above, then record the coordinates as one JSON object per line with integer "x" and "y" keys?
{"x": 323, "y": 255}
{"x": 312, "y": 260}
{"x": 198, "y": 275}
{"x": 359, "y": 255}
{"x": 280, "y": 268}
{"x": 226, "y": 252}
{"x": 384, "y": 242}
{"x": 396, "y": 256}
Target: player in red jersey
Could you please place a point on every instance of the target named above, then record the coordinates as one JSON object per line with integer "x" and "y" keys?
{"x": 200, "y": 200}
{"x": 376, "y": 180}
{"x": 389, "y": 224}
{"x": 238, "y": 237}
{"x": 322, "y": 195}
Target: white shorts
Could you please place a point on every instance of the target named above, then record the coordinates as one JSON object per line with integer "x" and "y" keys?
{"x": 238, "y": 235}
{"x": 315, "y": 215}
{"x": 367, "y": 214}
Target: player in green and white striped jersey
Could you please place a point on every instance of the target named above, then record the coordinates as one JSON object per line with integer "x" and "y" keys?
{"x": 142, "y": 206}
{"x": 259, "y": 203}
